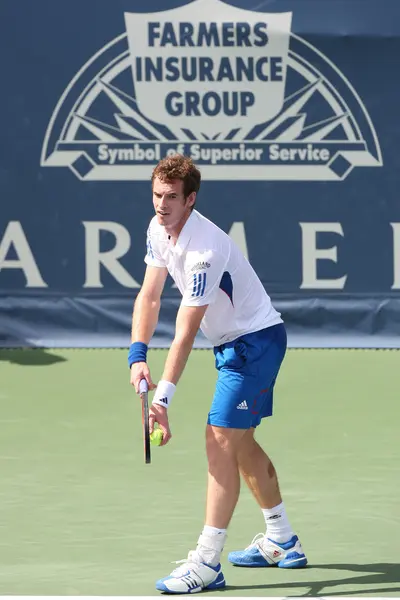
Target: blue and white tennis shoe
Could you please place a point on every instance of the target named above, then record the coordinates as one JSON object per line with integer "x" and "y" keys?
{"x": 191, "y": 577}
{"x": 264, "y": 552}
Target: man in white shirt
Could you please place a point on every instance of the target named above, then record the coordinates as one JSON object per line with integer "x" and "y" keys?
{"x": 222, "y": 295}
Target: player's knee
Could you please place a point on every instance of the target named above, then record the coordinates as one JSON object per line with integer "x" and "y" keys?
{"x": 247, "y": 443}
{"x": 216, "y": 441}
{"x": 222, "y": 440}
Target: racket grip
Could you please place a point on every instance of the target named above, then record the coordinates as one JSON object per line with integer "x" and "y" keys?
{"x": 143, "y": 387}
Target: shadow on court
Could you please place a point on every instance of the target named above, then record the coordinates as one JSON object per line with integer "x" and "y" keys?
{"x": 379, "y": 574}
{"x": 33, "y": 357}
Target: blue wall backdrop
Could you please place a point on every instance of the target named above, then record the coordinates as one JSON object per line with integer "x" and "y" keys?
{"x": 290, "y": 108}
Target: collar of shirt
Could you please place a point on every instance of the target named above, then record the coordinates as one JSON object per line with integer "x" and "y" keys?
{"x": 185, "y": 234}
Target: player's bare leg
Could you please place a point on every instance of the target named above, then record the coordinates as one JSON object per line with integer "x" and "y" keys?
{"x": 223, "y": 489}
{"x": 202, "y": 569}
{"x": 258, "y": 472}
{"x": 279, "y": 546}
{"x": 222, "y": 445}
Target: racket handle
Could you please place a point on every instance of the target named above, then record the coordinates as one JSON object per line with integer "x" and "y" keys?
{"x": 143, "y": 387}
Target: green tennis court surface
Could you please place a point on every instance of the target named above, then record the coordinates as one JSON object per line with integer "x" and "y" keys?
{"x": 81, "y": 514}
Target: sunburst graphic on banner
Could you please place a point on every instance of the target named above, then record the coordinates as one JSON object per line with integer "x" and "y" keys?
{"x": 321, "y": 130}
{"x": 286, "y": 126}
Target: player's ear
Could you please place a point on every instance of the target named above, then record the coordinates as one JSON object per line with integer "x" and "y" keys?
{"x": 191, "y": 199}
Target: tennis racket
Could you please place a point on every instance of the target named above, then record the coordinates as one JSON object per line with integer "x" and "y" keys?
{"x": 143, "y": 391}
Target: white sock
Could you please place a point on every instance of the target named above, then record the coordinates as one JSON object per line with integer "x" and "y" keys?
{"x": 210, "y": 545}
{"x": 278, "y": 526}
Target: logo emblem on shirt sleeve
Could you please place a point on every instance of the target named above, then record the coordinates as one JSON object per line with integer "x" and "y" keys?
{"x": 199, "y": 284}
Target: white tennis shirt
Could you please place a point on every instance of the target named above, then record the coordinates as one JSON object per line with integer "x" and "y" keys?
{"x": 208, "y": 268}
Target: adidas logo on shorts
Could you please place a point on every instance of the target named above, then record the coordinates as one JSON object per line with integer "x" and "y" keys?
{"x": 243, "y": 406}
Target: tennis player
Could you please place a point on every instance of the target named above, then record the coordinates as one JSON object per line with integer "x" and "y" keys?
{"x": 222, "y": 295}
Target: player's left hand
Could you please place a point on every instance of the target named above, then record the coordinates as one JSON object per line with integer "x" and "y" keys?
{"x": 159, "y": 414}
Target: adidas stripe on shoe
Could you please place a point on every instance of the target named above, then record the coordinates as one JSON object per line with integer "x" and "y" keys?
{"x": 191, "y": 577}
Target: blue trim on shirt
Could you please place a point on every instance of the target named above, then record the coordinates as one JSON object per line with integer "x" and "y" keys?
{"x": 226, "y": 285}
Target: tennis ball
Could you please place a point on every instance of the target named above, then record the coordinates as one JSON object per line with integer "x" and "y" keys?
{"x": 156, "y": 437}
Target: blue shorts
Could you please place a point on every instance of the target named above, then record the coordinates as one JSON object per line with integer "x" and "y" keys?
{"x": 247, "y": 370}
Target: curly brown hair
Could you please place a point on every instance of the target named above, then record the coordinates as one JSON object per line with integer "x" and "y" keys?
{"x": 179, "y": 167}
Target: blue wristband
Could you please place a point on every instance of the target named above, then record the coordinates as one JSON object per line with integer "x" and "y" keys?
{"x": 137, "y": 353}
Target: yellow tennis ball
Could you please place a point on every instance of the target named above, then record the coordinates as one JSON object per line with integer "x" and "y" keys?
{"x": 156, "y": 437}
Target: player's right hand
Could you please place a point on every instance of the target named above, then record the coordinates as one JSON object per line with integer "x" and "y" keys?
{"x": 159, "y": 414}
{"x": 140, "y": 371}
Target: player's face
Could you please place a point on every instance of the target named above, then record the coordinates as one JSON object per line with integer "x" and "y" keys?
{"x": 170, "y": 204}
